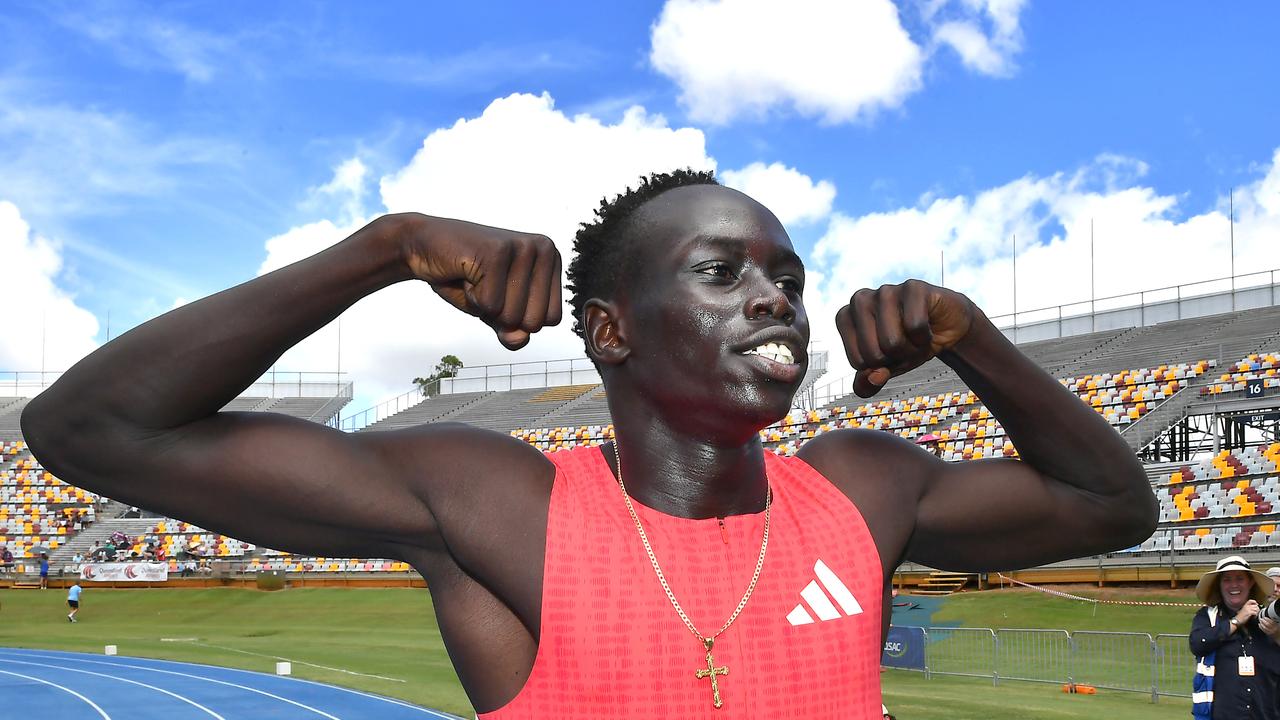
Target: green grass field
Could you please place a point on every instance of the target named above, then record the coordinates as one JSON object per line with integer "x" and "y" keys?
{"x": 385, "y": 641}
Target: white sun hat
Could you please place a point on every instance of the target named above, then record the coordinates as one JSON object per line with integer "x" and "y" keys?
{"x": 1207, "y": 589}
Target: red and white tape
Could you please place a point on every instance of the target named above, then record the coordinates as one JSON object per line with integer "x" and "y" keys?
{"x": 1069, "y": 596}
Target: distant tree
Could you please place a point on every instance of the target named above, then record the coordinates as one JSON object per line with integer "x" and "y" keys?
{"x": 448, "y": 367}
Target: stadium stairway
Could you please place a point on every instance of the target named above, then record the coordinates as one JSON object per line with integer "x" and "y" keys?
{"x": 519, "y": 408}
{"x": 589, "y": 408}
{"x": 10, "y": 417}
{"x": 942, "y": 583}
{"x": 1154, "y": 424}
{"x": 439, "y": 408}
{"x": 100, "y": 530}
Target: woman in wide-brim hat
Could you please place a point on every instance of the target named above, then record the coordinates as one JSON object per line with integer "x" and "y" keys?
{"x": 1237, "y": 660}
{"x": 1209, "y": 589}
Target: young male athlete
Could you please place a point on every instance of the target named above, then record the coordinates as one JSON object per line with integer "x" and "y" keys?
{"x": 680, "y": 571}
{"x": 73, "y": 601}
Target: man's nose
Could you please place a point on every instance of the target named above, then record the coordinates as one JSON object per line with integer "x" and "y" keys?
{"x": 771, "y": 301}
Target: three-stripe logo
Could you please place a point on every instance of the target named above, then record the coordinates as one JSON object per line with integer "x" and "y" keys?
{"x": 817, "y": 600}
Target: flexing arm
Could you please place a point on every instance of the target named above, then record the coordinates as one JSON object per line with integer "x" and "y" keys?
{"x": 138, "y": 419}
{"x": 1077, "y": 490}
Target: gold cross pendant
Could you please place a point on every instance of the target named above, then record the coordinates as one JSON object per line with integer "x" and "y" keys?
{"x": 711, "y": 672}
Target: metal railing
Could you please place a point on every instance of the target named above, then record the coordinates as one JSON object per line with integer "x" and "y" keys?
{"x": 1146, "y": 307}
{"x": 1159, "y": 666}
{"x": 521, "y": 376}
{"x": 273, "y": 384}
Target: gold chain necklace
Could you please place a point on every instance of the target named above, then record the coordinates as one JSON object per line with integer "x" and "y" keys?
{"x": 711, "y": 671}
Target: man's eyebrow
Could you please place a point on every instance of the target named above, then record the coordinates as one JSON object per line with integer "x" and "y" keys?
{"x": 737, "y": 245}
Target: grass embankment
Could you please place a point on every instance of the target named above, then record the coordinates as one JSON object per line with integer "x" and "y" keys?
{"x": 392, "y": 633}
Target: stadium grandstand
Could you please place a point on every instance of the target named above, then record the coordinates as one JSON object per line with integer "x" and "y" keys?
{"x": 1196, "y": 396}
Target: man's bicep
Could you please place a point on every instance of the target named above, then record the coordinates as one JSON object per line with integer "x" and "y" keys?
{"x": 999, "y": 514}
{"x": 297, "y": 486}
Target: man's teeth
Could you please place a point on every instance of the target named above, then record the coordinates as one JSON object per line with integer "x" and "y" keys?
{"x": 775, "y": 352}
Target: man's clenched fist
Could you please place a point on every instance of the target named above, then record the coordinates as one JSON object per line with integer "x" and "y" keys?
{"x": 897, "y": 328}
{"x": 510, "y": 280}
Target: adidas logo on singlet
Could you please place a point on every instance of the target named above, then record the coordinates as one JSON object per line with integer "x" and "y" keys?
{"x": 813, "y": 598}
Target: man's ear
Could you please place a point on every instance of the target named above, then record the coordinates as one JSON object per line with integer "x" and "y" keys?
{"x": 605, "y": 342}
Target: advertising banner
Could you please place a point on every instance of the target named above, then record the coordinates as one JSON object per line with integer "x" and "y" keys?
{"x": 124, "y": 572}
{"x": 904, "y": 648}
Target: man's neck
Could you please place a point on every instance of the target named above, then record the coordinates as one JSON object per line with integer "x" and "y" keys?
{"x": 688, "y": 477}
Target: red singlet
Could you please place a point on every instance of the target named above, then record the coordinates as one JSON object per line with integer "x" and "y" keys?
{"x": 807, "y": 645}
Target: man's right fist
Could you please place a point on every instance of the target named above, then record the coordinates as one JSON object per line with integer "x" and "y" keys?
{"x": 510, "y": 280}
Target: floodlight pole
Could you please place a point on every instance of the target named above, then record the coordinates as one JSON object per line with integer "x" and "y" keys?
{"x": 1093, "y": 310}
{"x": 1015, "y": 287}
{"x": 1231, "y": 221}
{"x": 942, "y": 268}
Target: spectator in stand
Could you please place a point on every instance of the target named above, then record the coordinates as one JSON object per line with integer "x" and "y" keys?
{"x": 76, "y": 561}
{"x": 6, "y": 559}
{"x": 44, "y": 571}
{"x": 188, "y": 567}
{"x": 1274, "y": 574}
{"x": 73, "y": 601}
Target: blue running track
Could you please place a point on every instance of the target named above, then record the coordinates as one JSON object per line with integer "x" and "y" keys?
{"x": 54, "y": 685}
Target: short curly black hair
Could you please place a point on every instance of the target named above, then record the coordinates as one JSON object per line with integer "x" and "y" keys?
{"x": 599, "y": 247}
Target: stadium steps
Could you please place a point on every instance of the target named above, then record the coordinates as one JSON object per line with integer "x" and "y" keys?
{"x": 440, "y": 408}
{"x": 942, "y": 583}
{"x": 329, "y": 411}
{"x": 100, "y": 530}
{"x": 1147, "y": 428}
{"x": 10, "y": 418}
{"x": 507, "y": 411}
{"x": 589, "y": 408}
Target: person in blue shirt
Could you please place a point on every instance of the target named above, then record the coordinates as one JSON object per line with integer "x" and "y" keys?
{"x": 73, "y": 601}
{"x": 44, "y": 571}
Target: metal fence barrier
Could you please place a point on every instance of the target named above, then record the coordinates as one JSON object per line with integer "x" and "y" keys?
{"x": 1130, "y": 662}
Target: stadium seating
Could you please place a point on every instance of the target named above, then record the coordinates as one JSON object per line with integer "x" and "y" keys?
{"x": 176, "y": 537}
{"x": 1230, "y": 500}
{"x": 1257, "y": 366}
{"x": 37, "y": 510}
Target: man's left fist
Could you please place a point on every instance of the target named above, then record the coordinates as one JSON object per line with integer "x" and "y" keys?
{"x": 897, "y": 328}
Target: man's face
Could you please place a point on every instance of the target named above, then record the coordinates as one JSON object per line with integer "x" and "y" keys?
{"x": 712, "y": 310}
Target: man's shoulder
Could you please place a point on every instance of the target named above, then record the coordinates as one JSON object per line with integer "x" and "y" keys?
{"x": 855, "y": 454}
{"x": 423, "y": 450}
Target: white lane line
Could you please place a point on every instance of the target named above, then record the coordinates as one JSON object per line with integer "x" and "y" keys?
{"x": 186, "y": 700}
{"x": 277, "y": 657}
{"x": 393, "y": 701}
{"x": 91, "y": 703}
{"x": 194, "y": 677}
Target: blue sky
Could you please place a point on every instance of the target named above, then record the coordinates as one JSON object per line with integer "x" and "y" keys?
{"x": 152, "y": 154}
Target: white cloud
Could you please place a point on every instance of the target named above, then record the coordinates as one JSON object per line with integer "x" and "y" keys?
{"x": 960, "y": 26}
{"x": 140, "y": 38}
{"x": 835, "y": 60}
{"x": 973, "y": 46}
{"x": 44, "y": 327}
{"x": 792, "y": 196}
{"x": 520, "y": 164}
{"x": 1143, "y": 240}
{"x": 58, "y": 160}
